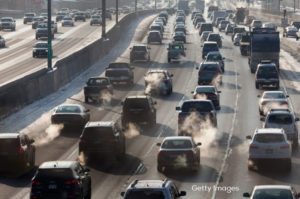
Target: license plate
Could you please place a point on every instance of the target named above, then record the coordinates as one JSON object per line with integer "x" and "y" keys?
{"x": 52, "y": 186}
{"x": 269, "y": 151}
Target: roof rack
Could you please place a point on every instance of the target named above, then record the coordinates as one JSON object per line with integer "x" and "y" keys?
{"x": 165, "y": 182}
{"x": 134, "y": 183}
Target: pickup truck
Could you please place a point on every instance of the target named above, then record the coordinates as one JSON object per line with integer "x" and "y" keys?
{"x": 96, "y": 87}
{"x": 175, "y": 51}
{"x": 189, "y": 124}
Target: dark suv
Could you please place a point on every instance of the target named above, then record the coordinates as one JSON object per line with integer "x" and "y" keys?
{"x": 16, "y": 152}
{"x": 139, "y": 109}
{"x": 175, "y": 51}
{"x": 61, "y": 179}
{"x": 80, "y": 16}
{"x": 205, "y": 27}
{"x": 209, "y": 46}
{"x": 154, "y": 36}
{"x": 267, "y": 74}
{"x": 102, "y": 139}
{"x": 215, "y": 37}
{"x": 148, "y": 189}
{"x": 28, "y": 17}
{"x": 138, "y": 53}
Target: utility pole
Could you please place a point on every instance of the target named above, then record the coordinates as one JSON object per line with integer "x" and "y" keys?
{"x": 294, "y": 5}
{"x": 117, "y": 11}
{"x": 135, "y": 6}
{"x": 103, "y": 19}
{"x": 155, "y": 5}
{"x": 49, "y": 37}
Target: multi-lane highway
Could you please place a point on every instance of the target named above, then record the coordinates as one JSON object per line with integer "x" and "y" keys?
{"x": 224, "y": 151}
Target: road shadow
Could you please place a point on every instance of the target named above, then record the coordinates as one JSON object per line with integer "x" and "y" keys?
{"x": 226, "y": 110}
{"x": 231, "y": 86}
{"x": 123, "y": 87}
{"x": 230, "y": 73}
{"x": 15, "y": 179}
{"x": 221, "y": 141}
{"x": 175, "y": 96}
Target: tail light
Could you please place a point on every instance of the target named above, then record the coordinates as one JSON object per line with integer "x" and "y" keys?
{"x": 218, "y": 71}
{"x": 71, "y": 196}
{"x": 212, "y": 117}
{"x": 190, "y": 153}
{"x": 285, "y": 147}
{"x": 34, "y": 197}
{"x": 253, "y": 147}
{"x": 166, "y": 81}
{"x": 34, "y": 182}
{"x": 84, "y": 89}
{"x": 21, "y": 150}
{"x": 212, "y": 95}
{"x": 71, "y": 182}
{"x": 284, "y": 103}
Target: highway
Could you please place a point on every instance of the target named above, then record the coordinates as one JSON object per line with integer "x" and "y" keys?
{"x": 224, "y": 151}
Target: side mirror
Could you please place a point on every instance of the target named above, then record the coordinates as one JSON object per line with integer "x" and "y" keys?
{"x": 219, "y": 91}
{"x": 297, "y": 119}
{"x": 199, "y": 144}
{"x": 132, "y": 67}
{"x": 201, "y": 46}
{"x": 171, "y": 75}
{"x": 258, "y": 96}
{"x": 182, "y": 193}
{"x": 223, "y": 58}
{"x": 178, "y": 108}
{"x": 130, "y": 48}
{"x": 87, "y": 110}
{"x": 287, "y": 96}
{"x": 122, "y": 103}
{"x": 249, "y": 137}
{"x": 31, "y": 141}
{"x": 246, "y": 195}
{"x": 167, "y": 48}
{"x": 158, "y": 144}
{"x": 197, "y": 68}
{"x": 184, "y": 48}
{"x": 262, "y": 119}
{"x": 154, "y": 102}
{"x": 122, "y": 193}
{"x": 192, "y": 92}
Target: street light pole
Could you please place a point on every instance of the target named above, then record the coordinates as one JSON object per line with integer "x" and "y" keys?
{"x": 49, "y": 37}
{"x": 103, "y": 19}
{"x": 135, "y": 5}
{"x": 117, "y": 11}
{"x": 155, "y": 4}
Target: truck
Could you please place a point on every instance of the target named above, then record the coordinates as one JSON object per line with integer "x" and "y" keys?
{"x": 240, "y": 15}
{"x": 264, "y": 45}
{"x": 200, "y": 5}
{"x": 245, "y": 43}
{"x": 183, "y": 5}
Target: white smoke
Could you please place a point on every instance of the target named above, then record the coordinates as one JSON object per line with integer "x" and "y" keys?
{"x": 182, "y": 160}
{"x": 154, "y": 82}
{"x": 201, "y": 96}
{"x": 273, "y": 105}
{"x": 52, "y": 132}
{"x": 81, "y": 159}
{"x": 217, "y": 81}
{"x": 106, "y": 97}
{"x": 132, "y": 131}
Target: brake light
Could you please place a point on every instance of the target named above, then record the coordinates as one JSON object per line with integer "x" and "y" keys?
{"x": 253, "y": 147}
{"x": 212, "y": 117}
{"x": 285, "y": 147}
{"x": 21, "y": 150}
{"x": 166, "y": 81}
{"x": 283, "y": 103}
{"x": 190, "y": 153}
{"x": 69, "y": 182}
{"x": 71, "y": 196}
{"x": 33, "y": 182}
{"x": 34, "y": 197}
{"x": 84, "y": 89}
{"x": 218, "y": 71}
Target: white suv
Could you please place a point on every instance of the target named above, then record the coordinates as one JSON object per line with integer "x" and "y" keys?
{"x": 269, "y": 144}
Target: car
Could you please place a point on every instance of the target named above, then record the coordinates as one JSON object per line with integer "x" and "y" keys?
{"x": 198, "y": 20}
{"x": 7, "y": 23}
{"x": 157, "y": 27}
{"x": 194, "y": 13}
{"x": 139, "y": 109}
{"x": 205, "y": 27}
{"x": 139, "y": 53}
{"x": 158, "y": 81}
{"x": 256, "y": 24}
{"x": 215, "y": 37}
{"x": 209, "y": 73}
{"x": 216, "y": 56}
{"x": 179, "y": 36}
{"x": 42, "y": 31}
{"x": 180, "y": 28}
{"x": 223, "y": 25}
{"x": 60, "y": 16}
{"x": 53, "y": 25}
{"x": 70, "y": 115}
{"x": 202, "y": 113}
{"x": 271, "y": 191}
{"x": 154, "y": 36}
{"x": 178, "y": 151}
{"x": 17, "y": 153}
{"x": 80, "y": 16}
{"x": 96, "y": 19}
{"x": 296, "y": 24}
{"x": 180, "y": 18}
{"x": 159, "y": 22}
{"x": 209, "y": 92}
{"x": 102, "y": 139}
{"x": 120, "y": 72}
{"x": 204, "y": 36}
{"x": 219, "y": 19}
{"x": 267, "y": 74}
{"x": 290, "y": 31}
{"x": 229, "y": 28}
{"x": 283, "y": 118}
{"x": 148, "y": 189}
{"x": 269, "y": 25}
{"x": 36, "y": 21}
{"x": 98, "y": 89}
{"x": 2, "y": 42}
{"x": 237, "y": 39}
{"x": 28, "y": 17}
{"x": 175, "y": 51}
{"x": 237, "y": 30}
{"x": 272, "y": 99}
{"x": 44, "y": 15}
{"x": 209, "y": 46}
{"x": 269, "y": 144}
{"x": 163, "y": 19}
{"x": 67, "y": 21}
{"x": 40, "y": 49}
{"x": 61, "y": 178}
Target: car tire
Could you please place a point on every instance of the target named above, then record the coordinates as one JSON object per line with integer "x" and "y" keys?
{"x": 159, "y": 168}
{"x": 169, "y": 60}
{"x": 32, "y": 161}
{"x": 295, "y": 143}
{"x": 252, "y": 70}
{"x": 86, "y": 99}
{"x": 89, "y": 192}
{"x": 288, "y": 165}
{"x": 257, "y": 85}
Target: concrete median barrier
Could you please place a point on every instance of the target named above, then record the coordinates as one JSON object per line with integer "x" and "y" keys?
{"x": 28, "y": 89}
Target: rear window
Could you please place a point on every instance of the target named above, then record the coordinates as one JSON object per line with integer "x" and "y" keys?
{"x": 176, "y": 47}
{"x": 136, "y": 104}
{"x": 266, "y": 70}
{"x": 139, "y": 48}
{"x": 214, "y": 37}
{"x": 205, "y": 90}
{"x": 9, "y": 144}
{"x": 98, "y": 133}
{"x": 213, "y": 57}
{"x": 269, "y": 138}
{"x": 116, "y": 73}
{"x": 197, "y": 106}
{"x": 145, "y": 194}
{"x": 274, "y": 96}
{"x": 41, "y": 45}
{"x": 210, "y": 67}
{"x": 177, "y": 144}
{"x": 55, "y": 173}
{"x": 280, "y": 119}
{"x": 6, "y": 20}
{"x": 68, "y": 109}
{"x": 29, "y": 15}
{"x": 98, "y": 82}
{"x": 213, "y": 47}
{"x": 272, "y": 193}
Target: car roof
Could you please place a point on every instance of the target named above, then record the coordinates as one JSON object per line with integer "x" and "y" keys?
{"x": 210, "y": 42}
{"x": 178, "y": 138}
{"x": 269, "y": 131}
{"x": 100, "y": 124}
{"x": 279, "y": 111}
{"x": 137, "y": 97}
{"x": 210, "y": 63}
{"x": 149, "y": 184}
{"x": 154, "y": 31}
{"x": 206, "y": 86}
{"x": 196, "y": 100}
{"x": 58, "y": 164}
{"x": 70, "y": 105}
{"x": 9, "y": 135}
{"x": 272, "y": 187}
{"x": 214, "y": 53}
{"x": 266, "y": 92}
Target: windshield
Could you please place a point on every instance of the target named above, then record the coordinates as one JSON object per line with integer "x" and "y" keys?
{"x": 176, "y": 47}
{"x": 96, "y": 133}
{"x": 96, "y": 17}
{"x": 68, "y": 19}
{"x": 177, "y": 144}
{"x": 269, "y": 138}
{"x": 41, "y": 45}
{"x": 280, "y": 119}
{"x": 274, "y": 96}
{"x": 145, "y": 194}
{"x": 6, "y": 20}
{"x": 68, "y": 109}
{"x": 272, "y": 194}
{"x": 136, "y": 104}
{"x": 196, "y": 106}
{"x": 54, "y": 173}
{"x": 98, "y": 81}
{"x": 206, "y": 89}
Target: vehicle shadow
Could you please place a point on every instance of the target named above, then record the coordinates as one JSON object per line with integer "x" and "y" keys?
{"x": 230, "y": 73}
{"x": 226, "y": 110}
{"x": 175, "y": 96}
{"x": 20, "y": 180}
{"x": 290, "y": 75}
{"x": 231, "y": 86}
{"x": 124, "y": 87}
{"x": 222, "y": 140}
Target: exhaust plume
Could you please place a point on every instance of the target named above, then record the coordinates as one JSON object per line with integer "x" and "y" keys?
{"x": 106, "y": 97}
{"x": 132, "y": 131}
{"x": 273, "y": 105}
{"x": 154, "y": 82}
{"x": 52, "y": 132}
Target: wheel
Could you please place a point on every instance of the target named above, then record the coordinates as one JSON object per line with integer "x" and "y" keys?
{"x": 288, "y": 165}
{"x": 257, "y": 85}
{"x": 86, "y": 99}
{"x": 169, "y": 60}
{"x": 170, "y": 91}
{"x": 252, "y": 70}
{"x": 159, "y": 168}
{"x": 89, "y": 193}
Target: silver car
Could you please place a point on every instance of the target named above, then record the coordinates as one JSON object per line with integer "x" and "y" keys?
{"x": 7, "y": 23}
{"x": 269, "y": 191}
{"x": 67, "y": 21}
{"x": 272, "y": 99}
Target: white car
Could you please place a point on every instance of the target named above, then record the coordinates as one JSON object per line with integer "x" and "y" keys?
{"x": 272, "y": 99}
{"x": 269, "y": 144}
{"x": 67, "y": 21}
{"x": 237, "y": 39}
{"x": 272, "y": 191}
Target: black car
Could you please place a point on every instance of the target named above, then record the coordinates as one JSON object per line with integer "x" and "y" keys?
{"x": 205, "y": 27}
{"x": 215, "y": 37}
{"x": 179, "y": 36}
{"x": 102, "y": 139}
{"x": 267, "y": 74}
{"x": 60, "y": 16}
{"x": 208, "y": 92}
{"x": 158, "y": 81}
{"x": 28, "y": 17}
{"x": 209, "y": 72}
{"x": 40, "y": 49}
{"x": 61, "y": 179}
{"x": 16, "y": 152}
{"x": 154, "y": 36}
{"x": 139, "y": 52}
{"x": 98, "y": 89}
{"x": 175, "y": 51}
{"x": 36, "y": 21}
{"x": 139, "y": 109}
